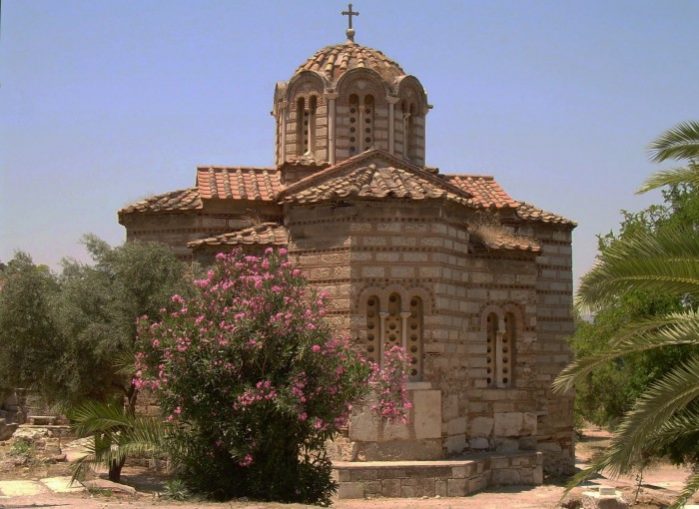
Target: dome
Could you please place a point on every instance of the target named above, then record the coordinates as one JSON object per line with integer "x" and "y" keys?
{"x": 333, "y": 61}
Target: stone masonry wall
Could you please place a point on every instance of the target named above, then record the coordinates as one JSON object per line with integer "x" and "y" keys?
{"x": 354, "y": 250}
{"x": 555, "y": 326}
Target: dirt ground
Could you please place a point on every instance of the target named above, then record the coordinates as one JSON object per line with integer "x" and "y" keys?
{"x": 659, "y": 485}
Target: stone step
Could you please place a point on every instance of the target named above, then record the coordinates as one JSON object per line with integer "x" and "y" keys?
{"x": 445, "y": 478}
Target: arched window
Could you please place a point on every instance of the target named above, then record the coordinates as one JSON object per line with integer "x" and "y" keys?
{"x": 492, "y": 326}
{"x": 390, "y": 324}
{"x": 414, "y": 339}
{"x": 367, "y": 122}
{"x": 500, "y": 345}
{"x": 394, "y": 325}
{"x": 301, "y": 124}
{"x": 373, "y": 325}
{"x": 354, "y": 124}
{"x": 509, "y": 340}
{"x": 311, "y": 126}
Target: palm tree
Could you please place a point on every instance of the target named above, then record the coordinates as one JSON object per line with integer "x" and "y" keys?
{"x": 665, "y": 261}
{"x": 116, "y": 434}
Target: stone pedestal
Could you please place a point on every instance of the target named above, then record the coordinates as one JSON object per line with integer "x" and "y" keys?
{"x": 373, "y": 439}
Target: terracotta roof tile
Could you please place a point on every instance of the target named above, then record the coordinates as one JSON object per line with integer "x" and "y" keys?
{"x": 271, "y": 234}
{"x": 529, "y": 212}
{"x": 498, "y": 237}
{"x": 184, "y": 199}
{"x": 333, "y": 61}
{"x": 238, "y": 183}
{"x": 372, "y": 182}
{"x": 485, "y": 190}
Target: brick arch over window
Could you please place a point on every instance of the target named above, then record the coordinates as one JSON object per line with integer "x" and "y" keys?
{"x": 501, "y": 327}
{"x": 395, "y": 316}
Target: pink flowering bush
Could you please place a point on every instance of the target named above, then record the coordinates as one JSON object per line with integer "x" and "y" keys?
{"x": 390, "y": 385}
{"x": 254, "y": 382}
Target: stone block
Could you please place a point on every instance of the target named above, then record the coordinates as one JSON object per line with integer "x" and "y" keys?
{"x": 528, "y": 443}
{"x": 481, "y": 426}
{"x": 479, "y": 443}
{"x": 552, "y": 447}
{"x": 396, "y": 431}
{"x": 478, "y": 483}
{"x": 529, "y": 423}
{"x": 390, "y": 488}
{"x": 440, "y": 487}
{"x": 456, "y": 426}
{"x": 506, "y": 445}
{"x": 505, "y": 476}
{"x": 457, "y": 487}
{"x": 408, "y": 490}
{"x": 508, "y": 424}
{"x": 350, "y": 490}
{"x": 594, "y": 500}
{"x": 364, "y": 426}
{"x": 427, "y": 411}
{"x": 455, "y": 444}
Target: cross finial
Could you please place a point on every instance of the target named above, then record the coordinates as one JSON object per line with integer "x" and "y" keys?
{"x": 349, "y": 13}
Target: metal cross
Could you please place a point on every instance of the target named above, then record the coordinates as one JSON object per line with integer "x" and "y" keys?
{"x": 349, "y": 13}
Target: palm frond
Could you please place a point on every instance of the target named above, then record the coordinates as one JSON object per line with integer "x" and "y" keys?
{"x": 676, "y": 428}
{"x": 667, "y": 396}
{"x": 669, "y": 330}
{"x": 666, "y": 261}
{"x": 680, "y": 142}
{"x": 675, "y": 176}
{"x": 691, "y": 486}
{"x": 116, "y": 435}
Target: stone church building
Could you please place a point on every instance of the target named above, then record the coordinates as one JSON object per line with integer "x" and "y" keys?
{"x": 477, "y": 285}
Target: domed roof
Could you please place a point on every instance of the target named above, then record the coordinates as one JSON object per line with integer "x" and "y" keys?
{"x": 333, "y": 61}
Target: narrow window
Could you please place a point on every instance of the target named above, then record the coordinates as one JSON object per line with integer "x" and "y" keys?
{"x": 354, "y": 124}
{"x": 301, "y": 123}
{"x": 393, "y": 332}
{"x": 367, "y": 136}
{"x": 508, "y": 346}
{"x": 406, "y": 129}
{"x": 373, "y": 324}
{"x": 411, "y": 132}
{"x": 491, "y": 348}
{"x": 414, "y": 339}
{"x": 311, "y": 125}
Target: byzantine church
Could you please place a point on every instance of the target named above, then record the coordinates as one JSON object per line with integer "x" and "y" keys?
{"x": 475, "y": 284}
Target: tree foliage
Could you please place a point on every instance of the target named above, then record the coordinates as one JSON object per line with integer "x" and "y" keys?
{"x": 652, "y": 270}
{"x": 65, "y": 335}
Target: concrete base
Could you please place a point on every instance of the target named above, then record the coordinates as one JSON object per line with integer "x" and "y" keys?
{"x": 446, "y": 478}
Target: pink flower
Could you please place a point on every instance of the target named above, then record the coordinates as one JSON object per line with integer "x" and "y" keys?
{"x": 315, "y": 348}
{"x": 246, "y": 461}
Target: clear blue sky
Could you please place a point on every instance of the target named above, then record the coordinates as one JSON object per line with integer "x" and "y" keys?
{"x": 104, "y": 102}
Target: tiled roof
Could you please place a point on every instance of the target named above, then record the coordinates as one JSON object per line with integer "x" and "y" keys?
{"x": 333, "y": 61}
{"x": 529, "y": 212}
{"x": 184, "y": 199}
{"x": 226, "y": 183}
{"x": 485, "y": 190}
{"x": 372, "y": 175}
{"x": 268, "y": 234}
{"x": 497, "y": 237}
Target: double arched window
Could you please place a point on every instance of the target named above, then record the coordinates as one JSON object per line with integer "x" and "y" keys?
{"x": 501, "y": 330}
{"x": 361, "y": 118}
{"x": 395, "y": 319}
